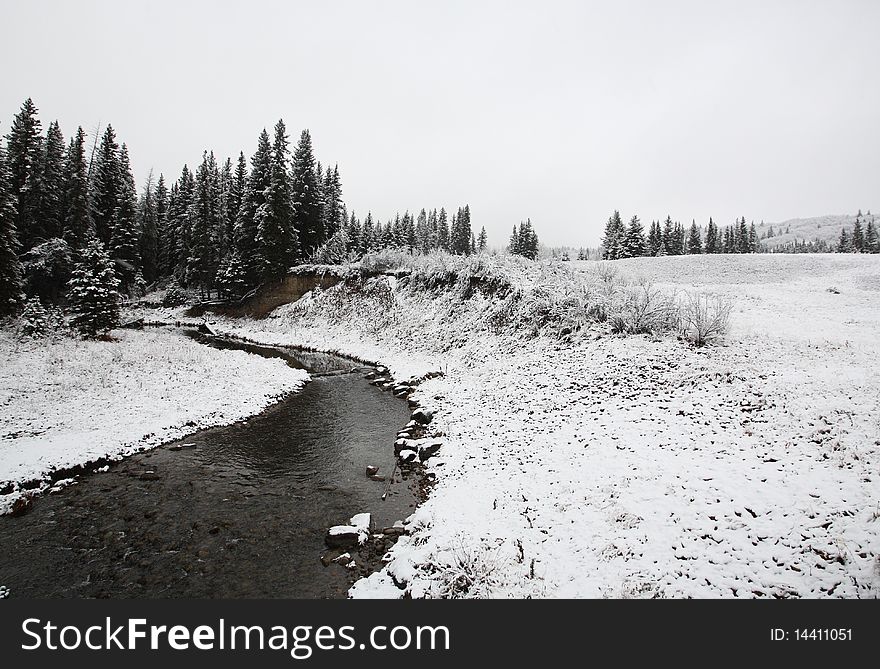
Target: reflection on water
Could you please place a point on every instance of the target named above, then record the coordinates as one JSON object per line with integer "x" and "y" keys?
{"x": 239, "y": 511}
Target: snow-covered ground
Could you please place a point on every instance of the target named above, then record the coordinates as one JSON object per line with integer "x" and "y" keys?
{"x": 68, "y": 402}
{"x": 593, "y": 465}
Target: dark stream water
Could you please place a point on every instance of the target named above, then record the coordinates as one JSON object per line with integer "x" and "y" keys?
{"x": 242, "y": 513}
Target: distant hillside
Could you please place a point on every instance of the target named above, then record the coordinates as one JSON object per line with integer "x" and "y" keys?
{"x": 819, "y": 227}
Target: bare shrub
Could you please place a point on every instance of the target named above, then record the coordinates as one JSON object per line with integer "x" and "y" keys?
{"x": 469, "y": 571}
{"x": 703, "y": 319}
{"x": 644, "y": 309}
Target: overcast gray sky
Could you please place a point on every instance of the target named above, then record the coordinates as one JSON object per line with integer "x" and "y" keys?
{"x": 558, "y": 111}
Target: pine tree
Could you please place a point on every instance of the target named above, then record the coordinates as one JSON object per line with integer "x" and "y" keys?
{"x": 306, "y": 197}
{"x": 712, "y": 242}
{"x": 225, "y": 215}
{"x": 277, "y": 238}
{"x": 181, "y": 222}
{"x": 612, "y": 242}
{"x": 50, "y": 212}
{"x": 76, "y": 225}
{"x": 106, "y": 186}
{"x": 694, "y": 243}
{"x": 124, "y": 245}
{"x": 483, "y": 240}
{"x": 148, "y": 228}
{"x": 24, "y": 155}
{"x": 634, "y": 242}
{"x": 753, "y": 238}
{"x": 10, "y": 265}
{"x": 93, "y": 293}
{"x": 668, "y": 236}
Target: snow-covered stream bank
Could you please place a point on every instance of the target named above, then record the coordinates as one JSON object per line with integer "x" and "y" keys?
{"x": 603, "y": 465}
{"x": 69, "y": 402}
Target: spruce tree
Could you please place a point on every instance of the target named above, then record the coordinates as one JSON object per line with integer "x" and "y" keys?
{"x": 24, "y": 156}
{"x": 712, "y": 241}
{"x": 655, "y": 239}
{"x": 668, "y": 236}
{"x": 124, "y": 245}
{"x": 50, "y": 213}
{"x": 306, "y": 197}
{"x": 694, "y": 243}
{"x": 148, "y": 228}
{"x": 742, "y": 237}
{"x": 163, "y": 239}
{"x": 613, "y": 242}
{"x": 844, "y": 245}
{"x": 231, "y": 280}
{"x": 442, "y": 230}
{"x": 76, "y": 224}
{"x": 872, "y": 245}
{"x": 106, "y": 186}
{"x": 277, "y": 238}
{"x": 753, "y": 238}
{"x": 202, "y": 263}
{"x": 634, "y": 241}
{"x": 93, "y": 292}
{"x": 225, "y": 215}
{"x": 10, "y": 265}
{"x": 858, "y": 236}
{"x": 181, "y": 222}
{"x": 513, "y": 245}
{"x": 258, "y": 183}
{"x": 483, "y": 240}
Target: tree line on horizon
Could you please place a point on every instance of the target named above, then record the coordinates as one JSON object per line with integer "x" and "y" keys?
{"x": 672, "y": 238}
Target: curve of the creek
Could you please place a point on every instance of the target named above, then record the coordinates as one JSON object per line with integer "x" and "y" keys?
{"x": 236, "y": 511}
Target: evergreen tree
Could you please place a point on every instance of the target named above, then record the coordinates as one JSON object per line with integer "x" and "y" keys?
{"x": 24, "y": 156}
{"x": 694, "y": 243}
{"x": 124, "y": 245}
{"x": 634, "y": 242}
{"x": 844, "y": 245}
{"x": 202, "y": 262}
{"x": 668, "y": 236}
{"x": 277, "y": 238}
{"x": 872, "y": 244}
{"x": 148, "y": 227}
{"x": 258, "y": 183}
{"x": 163, "y": 239}
{"x": 50, "y": 213}
{"x": 712, "y": 242}
{"x": 231, "y": 281}
{"x": 742, "y": 237}
{"x": 513, "y": 246}
{"x": 225, "y": 213}
{"x": 106, "y": 186}
{"x": 613, "y": 241}
{"x": 460, "y": 234}
{"x": 306, "y": 197}
{"x": 483, "y": 240}
{"x": 93, "y": 294}
{"x": 10, "y": 265}
{"x": 442, "y": 231}
{"x": 655, "y": 240}
{"x": 368, "y": 235}
{"x": 76, "y": 224}
{"x": 753, "y": 238}
{"x": 858, "y": 236}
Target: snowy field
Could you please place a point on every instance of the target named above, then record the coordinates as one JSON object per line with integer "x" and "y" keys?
{"x": 69, "y": 402}
{"x": 592, "y": 464}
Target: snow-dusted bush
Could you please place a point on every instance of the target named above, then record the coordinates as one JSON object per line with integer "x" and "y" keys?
{"x": 703, "y": 319}
{"x": 644, "y": 309}
{"x": 34, "y": 321}
{"x": 175, "y": 296}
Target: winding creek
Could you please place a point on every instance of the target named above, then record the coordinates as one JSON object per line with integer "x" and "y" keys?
{"x": 237, "y": 511}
